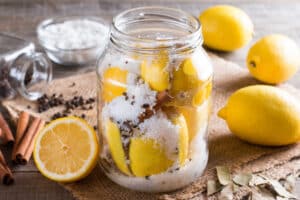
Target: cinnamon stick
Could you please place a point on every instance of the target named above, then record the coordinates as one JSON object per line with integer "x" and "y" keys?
{"x": 28, "y": 137}
{"x": 8, "y": 136}
{"x": 6, "y": 176}
{"x": 161, "y": 98}
{"x": 21, "y": 128}
{"x": 29, "y": 150}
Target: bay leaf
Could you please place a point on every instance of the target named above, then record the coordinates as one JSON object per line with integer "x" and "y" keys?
{"x": 213, "y": 187}
{"x": 257, "y": 180}
{"x": 242, "y": 179}
{"x": 226, "y": 193}
{"x": 223, "y": 175}
{"x": 236, "y": 187}
{"x": 262, "y": 194}
{"x": 290, "y": 182}
{"x": 280, "y": 190}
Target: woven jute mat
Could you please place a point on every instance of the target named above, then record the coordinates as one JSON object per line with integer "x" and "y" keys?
{"x": 224, "y": 147}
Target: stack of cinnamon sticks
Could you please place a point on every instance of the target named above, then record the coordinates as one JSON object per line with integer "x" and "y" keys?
{"x": 6, "y": 135}
{"x": 27, "y": 129}
{"x": 7, "y": 138}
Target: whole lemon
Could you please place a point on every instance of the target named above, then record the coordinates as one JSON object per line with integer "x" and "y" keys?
{"x": 273, "y": 59}
{"x": 225, "y": 27}
{"x": 263, "y": 115}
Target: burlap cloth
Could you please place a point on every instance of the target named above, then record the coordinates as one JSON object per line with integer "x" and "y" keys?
{"x": 224, "y": 148}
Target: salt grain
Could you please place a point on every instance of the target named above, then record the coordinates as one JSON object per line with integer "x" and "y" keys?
{"x": 130, "y": 106}
{"x": 75, "y": 34}
{"x": 161, "y": 129}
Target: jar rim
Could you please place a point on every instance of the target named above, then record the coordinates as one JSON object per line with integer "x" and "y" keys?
{"x": 170, "y": 14}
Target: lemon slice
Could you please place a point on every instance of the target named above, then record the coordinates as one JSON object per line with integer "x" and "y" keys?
{"x": 183, "y": 143}
{"x": 115, "y": 145}
{"x": 114, "y": 83}
{"x": 195, "y": 117}
{"x": 66, "y": 149}
{"x": 203, "y": 93}
{"x": 147, "y": 157}
{"x": 155, "y": 73}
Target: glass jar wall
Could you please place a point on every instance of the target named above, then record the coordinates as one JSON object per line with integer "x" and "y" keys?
{"x": 154, "y": 93}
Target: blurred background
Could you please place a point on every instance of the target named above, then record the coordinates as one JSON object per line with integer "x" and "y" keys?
{"x": 20, "y": 17}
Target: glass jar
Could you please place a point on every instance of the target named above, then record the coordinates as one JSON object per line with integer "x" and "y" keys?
{"x": 154, "y": 96}
{"x": 22, "y": 70}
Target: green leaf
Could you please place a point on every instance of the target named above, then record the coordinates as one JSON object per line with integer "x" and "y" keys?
{"x": 223, "y": 174}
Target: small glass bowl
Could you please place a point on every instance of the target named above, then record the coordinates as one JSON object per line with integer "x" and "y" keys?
{"x": 71, "y": 57}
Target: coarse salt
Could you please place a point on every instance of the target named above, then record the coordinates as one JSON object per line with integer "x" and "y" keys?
{"x": 162, "y": 130}
{"x": 129, "y": 108}
{"x": 122, "y": 62}
{"x": 75, "y": 34}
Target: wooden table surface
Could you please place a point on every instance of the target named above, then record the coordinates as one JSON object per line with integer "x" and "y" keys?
{"x": 20, "y": 17}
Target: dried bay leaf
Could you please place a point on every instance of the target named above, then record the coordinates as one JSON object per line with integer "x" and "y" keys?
{"x": 257, "y": 180}
{"x": 281, "y": 198}
{"x": 236, "y": 187}
{"x": 226, "y": 193}
{"x": 223, "y": 175}
{"x": 213, "y": 187}
{"x": 242, "y": 179}
{"x": 290, "y": 182}
{"x": 262, "y": 194}
{"x": 280, "y": 190}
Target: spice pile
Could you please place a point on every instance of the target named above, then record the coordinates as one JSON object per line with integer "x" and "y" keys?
{"x": 23, "y": 144}
{"x": 47, "y": 102}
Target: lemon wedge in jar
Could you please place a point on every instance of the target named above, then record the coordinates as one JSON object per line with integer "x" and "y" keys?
{"x": 66, "y": 149}
{"x": 196, "y": 118}
{"x": 147, "y": 157}
{"x": 203, "y": 93}
{"x": 187, "y": 87}
{"x": 154, "y": 72}
{"x": 114, "y": 83}
{"x": 115, "y": 146}
{"x": 183, "y": 143}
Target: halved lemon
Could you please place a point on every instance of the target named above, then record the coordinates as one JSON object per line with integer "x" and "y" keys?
{"x": 66, "y": 149}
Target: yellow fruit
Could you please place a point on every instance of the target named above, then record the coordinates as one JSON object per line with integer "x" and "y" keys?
{"x": 189, "y": 68}
{"x": 195, "y": 117}
{"x": 263, "y": 115}
{"x": 115, "y": 146}
{"x": 225, "y": 27}
{"x": 114, "y": 83}
{"x": 203, "y": 93}
{"x": 155, "y": 73}
{"x": 183, "y": 143}
{"x": 185, "y": 77}
{"x": 66, "y": 149}
{"x": 147, "y": 157}
{"x": 273, "y": 59}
